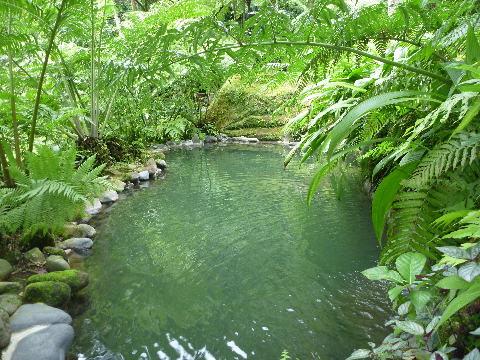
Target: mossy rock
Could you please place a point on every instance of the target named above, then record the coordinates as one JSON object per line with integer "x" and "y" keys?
{"x": 238, "y": 103}
{"x": 49, "y": 250}
{"x": 52, "y": 293}
{"x": 76, "y": 279}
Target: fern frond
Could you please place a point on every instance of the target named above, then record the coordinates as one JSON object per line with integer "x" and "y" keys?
{"x": 460, "y": 151}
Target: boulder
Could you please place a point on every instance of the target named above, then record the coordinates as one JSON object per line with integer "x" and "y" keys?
{"x": 162, "y": 164}
{"x": 10, "y": 287}
{"x": 56, "y": 263}
{"x": 79, "y": 231}
{"x": 210, "y": 139}
{"x": 77, "y": 244}
{"x": 109, "y": 196}
{"x": 34, "y": 255}
{"x": 37, "y": 314}
{"x": 56, "y": 294}
{"x": 10, "y": 303}
{"x": 76, "y": 279}
{"x": 5, "y": 269}
{"x": 94, "y": 208}
{"x": 196, "y": 140}
{"x": 49, "y": 250}
{"x": 119, "y": 184}
{"x": 5, "y": 330}
{"x": 42, "y": 342}
{"x": 144, "y": 175}
{"x": 135, "y": 176}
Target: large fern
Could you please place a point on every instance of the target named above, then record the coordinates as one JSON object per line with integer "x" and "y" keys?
{"x": 51, "y": 193}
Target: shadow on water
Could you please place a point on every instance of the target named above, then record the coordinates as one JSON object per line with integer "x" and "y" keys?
{"x": 222, "y": 259}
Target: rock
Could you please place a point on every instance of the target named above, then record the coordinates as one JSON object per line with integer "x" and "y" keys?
{"x": 76, "y": 279}
{"x": 144, "y": 175}
{"x": 5, "y": 269}
{"x": 37, "y": 314}
{"x": 34, "y": 255}
{"x": 5, "y": 330}
{"x": 151, "y": 163}
{"x": 56, "y": 294}
{"x": 56, "y": 251}
{"x": 196, "y": 140}
{"x": 10, "y": 303}
{"x": 109, "y": 196}
{"x": 119, "y": 184}
{"x": 77, "y": 244}
{"x": 42, "y": 342}
{"x": 210, "y": 139}
{"x": 94, "y": 208}
{"x": 79, "y": 231}
{"x": 10, "y": 287}
{"x": 162, "y": 164}
{"x": 71, "y": 356}
{"x": 135, "y": 176}
{"x": 75, "y": 260}
{"x": 56, "y": 263}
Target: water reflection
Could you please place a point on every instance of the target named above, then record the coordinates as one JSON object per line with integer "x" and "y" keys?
{"x": 224, "y": 255}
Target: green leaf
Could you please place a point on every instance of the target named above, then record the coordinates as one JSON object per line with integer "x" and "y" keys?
{"x": 475, "y": 332}
{"x": 469, "y": 271}
{"x": 469, "y": 116}
{"x": 382, "y": 273}
{"x": 394, "y": 292}
{"x": 454, "y": 252}
{"x": 410, "y": 327}
{"x": 360, "y": 354}
{"x": 472, "y": 48}
{"x": 473, "y": 355}
{"x": 409, "y": 265}
{"x": 419, "y": 298}
{"x": 385, "y": 195}
{"x": 453, "y": 282}
{"x": 459, "y": 302}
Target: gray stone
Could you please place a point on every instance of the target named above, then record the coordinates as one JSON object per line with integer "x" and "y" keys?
{"x": 56, "y": 263}
{"x": 79, "y": 231}
{"x": 162, "y": 164}
{"x": 10, "y": 287}
{"x": 49, "y": 250}
{"x": 53, "y": 293}
{"x": 77, "y": 244}
{"x": 94, "y": 208}
{"x": 76, "y": 279}
{"x": 109, "y": 196}
{"x": 5, "y": 330}
{"x": 196, "y": 140}
{"x": 5, "y": 269}
{"x": 144, "y": 175}
{"x": 10, "y": 303}
{"x": 34, "y": 255}
{"x": 49, "y": 342}
{"x": 210, "y": 139}
{"x": 37, "y": 314}
{"x": 135, "y": 176}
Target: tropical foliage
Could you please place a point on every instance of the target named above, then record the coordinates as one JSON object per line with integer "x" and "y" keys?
{"x": 395, "y": 86}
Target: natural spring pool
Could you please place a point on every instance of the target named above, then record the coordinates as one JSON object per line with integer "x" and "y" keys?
{"x": 222, "y": 259}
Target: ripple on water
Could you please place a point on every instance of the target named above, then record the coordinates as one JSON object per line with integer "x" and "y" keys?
{"x": 223, "y": 260}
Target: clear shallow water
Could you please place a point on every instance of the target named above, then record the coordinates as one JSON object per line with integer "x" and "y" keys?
{"x": 223, "y": 260}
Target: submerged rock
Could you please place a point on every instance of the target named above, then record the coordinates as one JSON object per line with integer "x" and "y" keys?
{"x": 76, "y": 279}
{"x": 6, "y": 269}
{"x": 56, "y": 294}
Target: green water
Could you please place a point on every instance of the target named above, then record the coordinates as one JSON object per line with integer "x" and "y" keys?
{"x": 222, "y": 259}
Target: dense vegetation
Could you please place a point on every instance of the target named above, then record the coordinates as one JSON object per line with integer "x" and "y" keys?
{"x": 395, "y": 84}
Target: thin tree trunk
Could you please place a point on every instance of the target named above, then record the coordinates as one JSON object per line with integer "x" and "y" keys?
{"x": 4, "y": 165}
{"x": 134, "y": 5}
{"x": 42, "y": 75}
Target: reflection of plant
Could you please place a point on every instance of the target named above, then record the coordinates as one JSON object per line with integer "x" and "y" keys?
{"x": 51, "y": 193}
{"x": 428, "y": 300}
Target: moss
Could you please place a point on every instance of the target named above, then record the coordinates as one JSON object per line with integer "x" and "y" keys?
{"x": 245, "y": 106}
{"x": 76, "y": 279}
{"x": 52, "y": 293}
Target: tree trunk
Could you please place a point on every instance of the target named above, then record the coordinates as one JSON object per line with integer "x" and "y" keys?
{"x": 134, "y": 5}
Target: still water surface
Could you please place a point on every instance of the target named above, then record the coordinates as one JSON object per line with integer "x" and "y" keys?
{"x": 222, "y": 259}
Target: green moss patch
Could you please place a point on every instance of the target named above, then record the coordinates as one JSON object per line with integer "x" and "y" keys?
{"x": 76, "y": 279}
